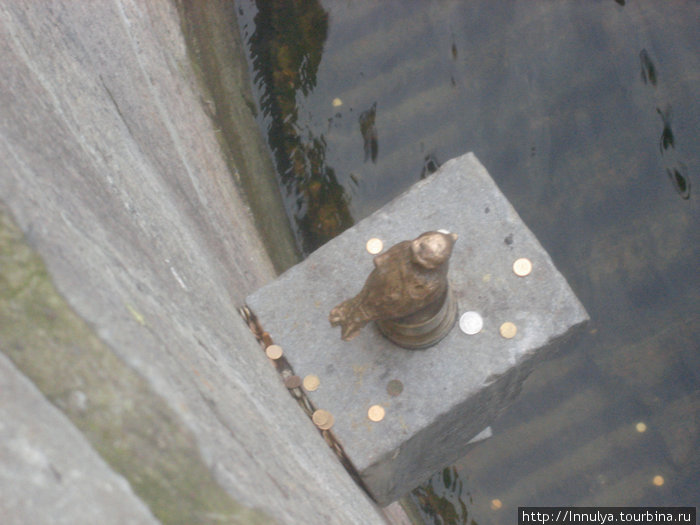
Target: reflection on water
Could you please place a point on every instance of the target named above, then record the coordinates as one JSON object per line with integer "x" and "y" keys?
{"x": 674, "y": 168}
{"x": 441, "y": 499}
{"x": 286, "y": 46}
{"x": 666, "y": 140}
{"x": 369, "y": 133}
{"x": 586, "y": 114}
{"x": 430, "y": 165}
{"x": 648, "y": 69}
{"x": 679, "y": 180}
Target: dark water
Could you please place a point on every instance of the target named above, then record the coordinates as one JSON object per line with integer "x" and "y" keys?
{"x": 587, "y": 115}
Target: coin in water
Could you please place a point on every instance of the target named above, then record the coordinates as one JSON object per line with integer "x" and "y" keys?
{"x": 508, "y": 330}
{"x": 376, "y": 413}
{"x": 374, "y": 246}
{"x": 274, "y": 351}
{"x": 323, "y": 419}
{"x": 522, "y": 267}
{"x": 471, "y": 323}
{"x": 311, "y": 382}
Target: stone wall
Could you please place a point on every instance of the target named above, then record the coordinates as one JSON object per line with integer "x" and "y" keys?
{"x": 125, "y": 250}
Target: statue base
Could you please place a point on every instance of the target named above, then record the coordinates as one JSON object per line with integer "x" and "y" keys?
{"x": 402, "y": 415}
{"x": 425, "y": 328}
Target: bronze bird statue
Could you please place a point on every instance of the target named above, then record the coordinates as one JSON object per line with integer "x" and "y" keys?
{"x": 407, "y": 278}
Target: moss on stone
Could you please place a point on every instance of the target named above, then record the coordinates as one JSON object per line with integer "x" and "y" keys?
{"x": 132, "y": 428}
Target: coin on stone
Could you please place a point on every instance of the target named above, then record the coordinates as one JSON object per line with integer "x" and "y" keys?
{"x": 337, "y": 102}
{"x": 522, "y": 267}
{"x": 374, "y": 246}
{"x": 274, "y": 351}
{"x": 376, "y": 413}
{"x": 311, "y": 382}
{"x": 471, "y": 323}
{"x": 323, "y": 419}
{"x": 508, "y": 330}
{"x": 292, "y": 382}
{"x": 394, "y": 387}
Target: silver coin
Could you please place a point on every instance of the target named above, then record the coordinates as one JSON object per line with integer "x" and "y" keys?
{"x": 522, "y": 267}
{"x": 471, "y": 323}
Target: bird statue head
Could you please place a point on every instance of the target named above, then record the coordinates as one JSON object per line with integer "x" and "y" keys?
{"x": 431, "y": 249}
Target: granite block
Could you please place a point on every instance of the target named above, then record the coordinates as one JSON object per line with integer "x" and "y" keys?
{"x": 453, "y": 390}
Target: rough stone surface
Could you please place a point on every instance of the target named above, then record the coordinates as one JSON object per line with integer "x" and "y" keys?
{"x": 135, "y": 431}
{"x": 210, "y": 29}
{"x": 111, "y": 168}
{"x": 450, "y": 391}
{"x": 48, "y": 471}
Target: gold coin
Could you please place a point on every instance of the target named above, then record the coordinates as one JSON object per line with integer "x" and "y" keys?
{"x": 376, "y": 413}
{"x": 374, "y": 246}
{"x": 658, "y": 480}
{"x": 274, "y": 351}
{"x": 522, "y": 267}
{"x": 508, "y": 330}
{"x": 641, "y": 427}
{"x": 496, "y": 504}
{"x": 323, "y": 419}
{"x": 337, "y": 102}
{"x": 311, "y": 382}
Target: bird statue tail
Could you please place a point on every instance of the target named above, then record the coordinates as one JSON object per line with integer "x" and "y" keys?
{"x": 349, "y": 316}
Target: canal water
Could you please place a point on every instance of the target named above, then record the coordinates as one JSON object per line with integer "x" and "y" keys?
{"x": 587, "y": 115}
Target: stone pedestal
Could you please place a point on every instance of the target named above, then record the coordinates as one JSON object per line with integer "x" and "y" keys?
{"x": 435, "y": 400}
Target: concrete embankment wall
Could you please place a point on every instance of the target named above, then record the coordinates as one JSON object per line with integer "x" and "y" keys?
{"x": 125, "y": 250}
